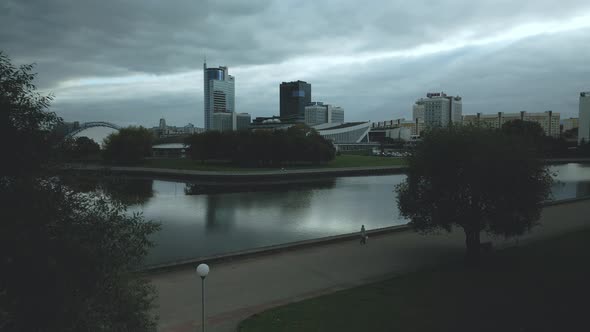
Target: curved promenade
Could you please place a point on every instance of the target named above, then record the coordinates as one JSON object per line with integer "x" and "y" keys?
{"x": 239, "y": 288}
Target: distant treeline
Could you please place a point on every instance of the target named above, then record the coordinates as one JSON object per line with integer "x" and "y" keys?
{"x": 262, "y": 148}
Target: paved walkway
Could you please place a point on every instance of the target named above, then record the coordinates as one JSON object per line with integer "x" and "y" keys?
{"x": 236, "y": 290}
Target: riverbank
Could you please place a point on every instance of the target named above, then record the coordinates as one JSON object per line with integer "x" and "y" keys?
{"x": 240, "y": 288}
{"x": 180, "y": 170}
{"x": 297, "y": 245}
{"x": 537, "y": 287}
{"x": 232, "y": 176}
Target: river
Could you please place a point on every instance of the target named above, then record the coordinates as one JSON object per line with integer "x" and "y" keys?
{"x": 197, "y": 224}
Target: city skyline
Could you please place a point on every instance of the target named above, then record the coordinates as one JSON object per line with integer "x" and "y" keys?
{"x": 146, "y": 63}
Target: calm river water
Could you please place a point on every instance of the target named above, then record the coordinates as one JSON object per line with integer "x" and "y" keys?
{"x": 197, "y": 225}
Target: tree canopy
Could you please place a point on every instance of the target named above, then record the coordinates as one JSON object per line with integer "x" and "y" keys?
{"x": 523, "y": 128}
{"x": 68, "y": 259}
{"x": 128, "y": 146}
{"x": 25, "y": 123}
{"x": 262, "y": 148}
{"x": 474, "y": 178}
{"x": 79, "y": 148}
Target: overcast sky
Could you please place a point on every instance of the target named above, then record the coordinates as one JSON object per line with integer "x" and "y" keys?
{"x": 135, "y": 61}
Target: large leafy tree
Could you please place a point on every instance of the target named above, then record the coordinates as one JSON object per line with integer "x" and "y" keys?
{"x": 530, "y": 129}
{"x": 25, "y": 125}
{"x": 476, "y": 179}
{"x": 78, "y": 148}
{"x": 67, "y": 259}
{"x": 128, "y": 146}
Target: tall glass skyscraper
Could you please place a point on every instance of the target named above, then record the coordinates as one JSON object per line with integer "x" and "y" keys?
{"x": 219, "y": 93}
{"x": 294, "y": 97}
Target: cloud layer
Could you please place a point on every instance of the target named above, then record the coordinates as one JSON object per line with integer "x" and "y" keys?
{"x": 132, "y": 62}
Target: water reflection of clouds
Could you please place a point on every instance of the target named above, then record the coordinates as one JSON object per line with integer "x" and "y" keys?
{"x": 572, "y": 172}
{"x": 204, "y": 224}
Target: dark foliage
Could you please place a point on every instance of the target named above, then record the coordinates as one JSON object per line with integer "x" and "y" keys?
{"x": 128, "y": 146}
{"x": 262, "y": 148}
{"x": 570, "y": 134}
{"x": 25, "y": 125}
{"x": 528, "y": 129}
{"x": 128, "y": 190}
{"x": 78, "y": 148}
{"x": 67, "y": 259}
{"x": 474, "y": 178}
{"x": 533, "y": 134}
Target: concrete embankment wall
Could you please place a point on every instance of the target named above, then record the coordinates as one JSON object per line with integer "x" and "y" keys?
{"x": 233, "y": 177}
{"x": 245, "y": 176}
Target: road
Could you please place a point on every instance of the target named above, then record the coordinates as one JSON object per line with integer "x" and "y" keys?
{"x": 238, "y": 289}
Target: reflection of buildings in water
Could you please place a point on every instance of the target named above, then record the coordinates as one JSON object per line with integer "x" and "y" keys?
{"x": 217, "y": 216}
{"x": 222, "y": 210}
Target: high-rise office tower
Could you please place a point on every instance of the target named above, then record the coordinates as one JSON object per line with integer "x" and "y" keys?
{"x": 294, "y": 97}
{"x": 219, "y": 93}
{"x": 584, "y": 118}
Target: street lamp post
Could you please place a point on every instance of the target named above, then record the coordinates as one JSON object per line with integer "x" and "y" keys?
{"x": 203, "y": 271}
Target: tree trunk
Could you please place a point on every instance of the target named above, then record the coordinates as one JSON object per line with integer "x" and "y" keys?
{"x": 472, "y": 245}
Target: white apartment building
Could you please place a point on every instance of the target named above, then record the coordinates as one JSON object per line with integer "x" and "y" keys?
{"x": 584, "y": 118}
{"x": 569, "y": 124}
{"x": 318, "y": 113}
{"x": 228, "y": 121}
{"x": 548, "y": 120}
{"x": 241, "y": 121}
{"x": 440, "y": 110}
{"x": 418, "y": 111}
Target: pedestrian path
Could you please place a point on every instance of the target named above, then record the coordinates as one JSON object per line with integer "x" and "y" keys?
{"x": 238, "y": 289}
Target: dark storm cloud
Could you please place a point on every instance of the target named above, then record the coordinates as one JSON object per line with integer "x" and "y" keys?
{"x": 133, "y": 44}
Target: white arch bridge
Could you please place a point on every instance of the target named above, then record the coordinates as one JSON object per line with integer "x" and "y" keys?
{"x": 93, "y": 124}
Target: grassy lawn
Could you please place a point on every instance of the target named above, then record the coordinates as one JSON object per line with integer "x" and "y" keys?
{"x": 541, "y": 287}
{"x": 339, "y": 161}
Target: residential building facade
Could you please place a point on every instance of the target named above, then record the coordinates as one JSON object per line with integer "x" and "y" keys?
{"x": 418, "y": 111}
{"x": 317, "y": 113}
{"x": 584, "y": 118}
{"x": 569, "y": 124}
{"x": 548, "y": 120}
{"x": 440, "y": 110}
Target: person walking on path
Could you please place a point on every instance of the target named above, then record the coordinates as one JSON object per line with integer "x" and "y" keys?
{"x": 363, "y": 235}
